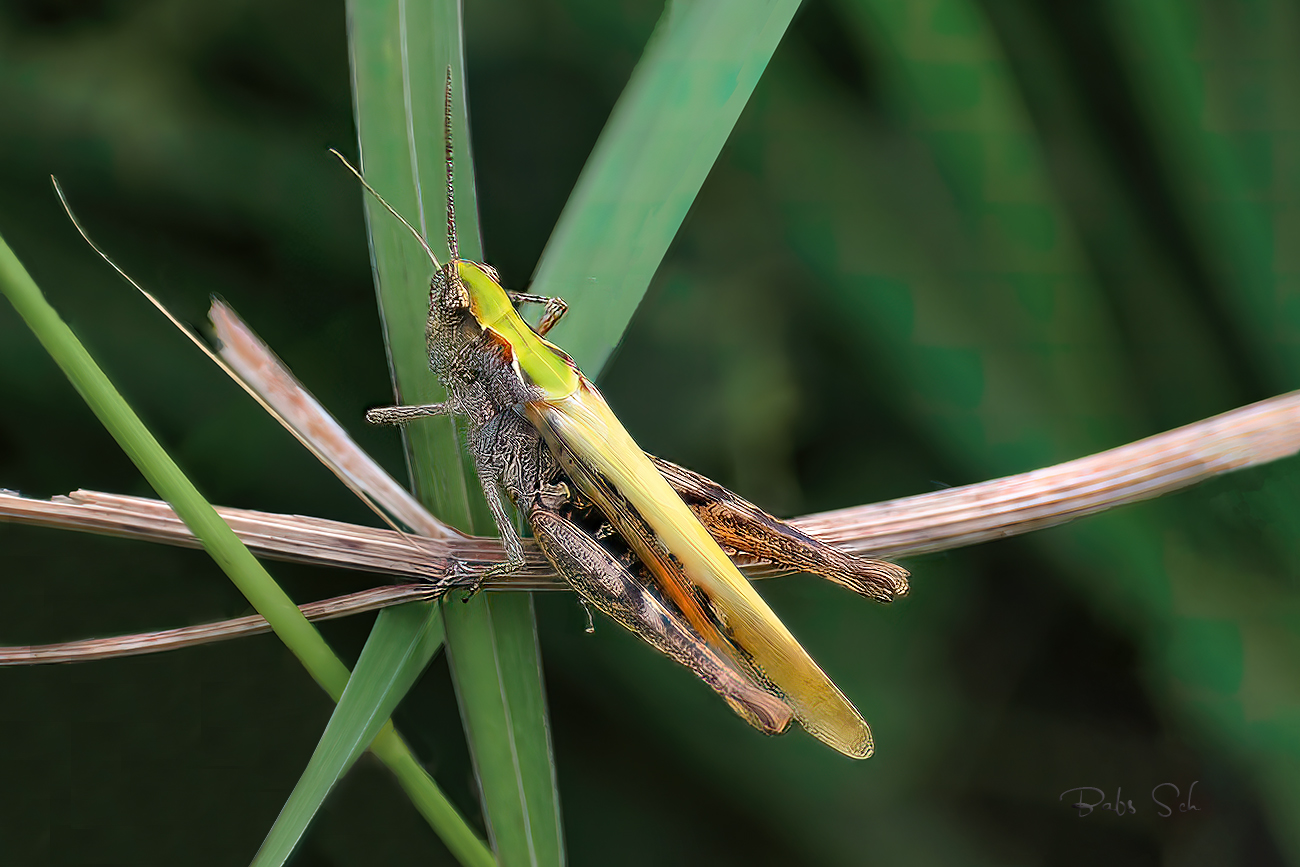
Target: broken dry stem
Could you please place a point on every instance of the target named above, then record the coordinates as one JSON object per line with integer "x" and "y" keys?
{"x": 951, "y": 518}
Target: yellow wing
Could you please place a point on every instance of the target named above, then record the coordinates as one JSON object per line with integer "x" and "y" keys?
{"x": 582, "y": 426}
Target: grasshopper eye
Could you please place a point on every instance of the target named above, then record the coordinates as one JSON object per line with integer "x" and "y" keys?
{"x": 459, "y": 297}
{"x": 448, "y": 291}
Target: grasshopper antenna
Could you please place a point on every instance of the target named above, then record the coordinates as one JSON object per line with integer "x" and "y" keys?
{"x": 324, "y": 457}
{"x": 451, "y": 199}
{"x": 391, "y": 210}
{"x": 67, "y": 208}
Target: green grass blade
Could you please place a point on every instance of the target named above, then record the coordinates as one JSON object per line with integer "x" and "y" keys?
{"x": 218, "y": 539}
{"x": 167, "y": 479}
{"x": 493, "y": 651}
{"x": 401, "y": 644}
{"x": 684, "y": 97}
{"x": 1208, "y": 137}
{"x": 400, "y": 53}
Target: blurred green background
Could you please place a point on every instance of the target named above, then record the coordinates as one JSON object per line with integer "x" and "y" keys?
{"x": 947, "y": 241}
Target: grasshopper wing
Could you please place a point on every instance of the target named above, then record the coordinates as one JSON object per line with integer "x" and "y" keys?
{"x": 605, "y": 463}
{"x": 738, "y": 524}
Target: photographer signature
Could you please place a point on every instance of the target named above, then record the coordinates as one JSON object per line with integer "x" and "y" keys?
{"x": 1090, "y": 798}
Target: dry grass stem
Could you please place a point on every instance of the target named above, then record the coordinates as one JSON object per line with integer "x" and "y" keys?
{"x": 252, "y": 364}
{"x": 936, "y": 521}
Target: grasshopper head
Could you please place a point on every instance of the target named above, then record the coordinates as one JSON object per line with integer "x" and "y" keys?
{"x": 447, "y": 292}
{"x": 451, "y": 325}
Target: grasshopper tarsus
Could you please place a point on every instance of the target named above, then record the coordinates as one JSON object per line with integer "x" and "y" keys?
{"x": 514, "y": 563}
{"x": 482, "y": 576}
{"x": 555, "y": 310}
{"x": 461, "y": 574}
{"x": 458, "y": 572}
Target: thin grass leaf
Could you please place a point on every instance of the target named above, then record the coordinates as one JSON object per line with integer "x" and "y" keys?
{"x": 400, "y": 54}
{"x": 216, "y": 536}
{"x": 401, "y": 644}
{"x": 665, "y": 133}
{"x": 1206, "y": 151}
{"x": 167, "y": 479}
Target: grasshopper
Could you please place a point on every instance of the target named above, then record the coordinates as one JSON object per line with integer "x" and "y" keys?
{"x": 638, "y": 538}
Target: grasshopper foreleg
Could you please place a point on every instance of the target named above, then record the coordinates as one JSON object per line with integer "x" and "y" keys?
{"x": 553, "y": 309}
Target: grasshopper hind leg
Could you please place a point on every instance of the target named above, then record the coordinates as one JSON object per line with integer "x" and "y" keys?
{"x": 604, "y": 583}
